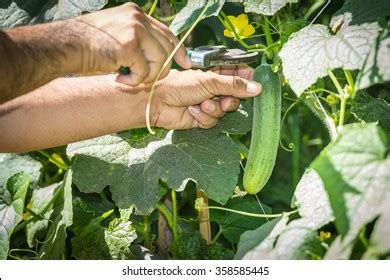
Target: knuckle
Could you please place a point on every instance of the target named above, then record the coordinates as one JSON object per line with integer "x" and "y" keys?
{"x": 132, "y": 6}
{"x": 236, "y": 83}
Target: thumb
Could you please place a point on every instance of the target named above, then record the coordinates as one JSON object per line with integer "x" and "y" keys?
{"x": 233, "y": 86}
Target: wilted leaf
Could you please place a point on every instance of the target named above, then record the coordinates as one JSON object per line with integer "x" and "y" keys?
{"x": 266, "y": 7}
{"x": 119, "y": 235}
{"x": 11, "y": 208}
{"x": 310, "y": 52}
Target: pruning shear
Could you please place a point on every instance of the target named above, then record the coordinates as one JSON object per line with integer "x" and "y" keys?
{"x": 206, "y": 57}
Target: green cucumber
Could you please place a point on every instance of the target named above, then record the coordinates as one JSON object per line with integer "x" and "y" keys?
{"x": 265, "y": 130}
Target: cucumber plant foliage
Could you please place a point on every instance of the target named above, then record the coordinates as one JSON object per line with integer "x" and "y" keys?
{"x": 308, "y": 178}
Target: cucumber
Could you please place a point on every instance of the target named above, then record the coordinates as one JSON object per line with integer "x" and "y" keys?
{"x": 265, "y": 130}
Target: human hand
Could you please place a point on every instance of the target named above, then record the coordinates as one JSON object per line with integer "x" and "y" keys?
{"x": 125, "y": 36}
{"x": 187, "y": 99}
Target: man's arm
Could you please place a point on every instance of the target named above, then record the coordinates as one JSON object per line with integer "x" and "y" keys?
{"x": 34, "y": 55}
{"x": 72, "y": 109}
{"x": 99, "y": 42}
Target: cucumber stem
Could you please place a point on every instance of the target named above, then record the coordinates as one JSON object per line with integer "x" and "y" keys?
{"x": 174, "y": 213}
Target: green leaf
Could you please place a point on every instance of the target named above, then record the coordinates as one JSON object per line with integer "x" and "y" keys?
{"x": 87, "y": 208}
{"x": 89, "y": 243}
{"x": 360, "y": 11}
{"x": 11, "y": 208}
{"x": 54, "y": 245}
{"x": 289, "y": 27}
{"x": 266, "y": 7}
{"x": 376, "y": 68}
{"x": 187, "y": 246}
{"x": 238, "y": 122}
{"x": 15, "y": 163}
{"x": 310, "y": 52}
{"x": 205, "y": 156}
{"x": 233, "y": 225}
{"x": 119, "y": 236}
{"x": 359, "y": 159}
{"x": 37, "y": 230}
{"x": 217, "y": 251}
{"x": 188, "y": 15}
{"x": 16, "y": 13}
{"x": 371, "y": 109}
{"x": 251, "y": 238}
{"x": 298, "y": 238}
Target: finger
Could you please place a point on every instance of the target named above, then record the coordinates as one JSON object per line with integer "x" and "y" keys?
{"x": 229, "y": 104}
{"x": 154, "y": 54}
{"x": 139, "y": 69}
{"x": 202, "y": 120}
{"x": 231, "y": 86}
{"x": 212, "y": 108}
{"x": 180, "y": 56}
{"x": 243, "y": 71}
{"x": 166, "y": 44}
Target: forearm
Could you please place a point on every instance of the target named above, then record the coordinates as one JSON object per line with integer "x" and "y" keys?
{"x": 68, "y": 110}
{"x": 34, "y": 55}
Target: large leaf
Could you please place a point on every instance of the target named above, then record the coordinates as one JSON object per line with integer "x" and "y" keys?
{"x": 14, "y": 13}
{"x": 233, "y": 225}
{"x": 14, "y": 163}
{"x": 188, "y": 15}
{"x": 295, "y": 239}
{"x": 54, "y": 245}
{"x": 376, "y": 68}
{"x": 371, "y": 109}
{"x": 358, "y": 160}
{"x": 132, "y": 165}
{"x": 251, "y": 238}
{"x": 310, "y": 52}
{"x": 11, "y": 208}
{"x": 266, "y": 7}
{"x": 39, "y": 200}
{"x": 357, "y": 12}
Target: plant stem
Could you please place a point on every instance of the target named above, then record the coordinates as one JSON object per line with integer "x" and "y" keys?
{"x": 296, "y": 138}
{"x": 350, "y": 81}
{"x": 204, "y": 218}
{"x": 343, "y": 105}
{"x": 153, "y": 8}
{"x": 42, "y": 213}
{"x": 164, "y": 210}
{"x": 335, "y": 82}
{"x": 146, "y": 232}
{"x": 217, "y": 236}
{"x": 174, "y": 213}
{"x": 250, "y": 214}
{"x": 267, "y": 32}
{"x": 53, "y": 160}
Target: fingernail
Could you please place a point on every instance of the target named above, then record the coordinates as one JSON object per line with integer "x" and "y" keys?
{"x": 253, "y": 87}
{"x": 210, "y": 107}
{"x": 188, "y": 61}
{"x": 194, "y": 109}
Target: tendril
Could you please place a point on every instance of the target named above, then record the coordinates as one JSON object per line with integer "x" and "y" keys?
{"x": 291, "y": 146}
